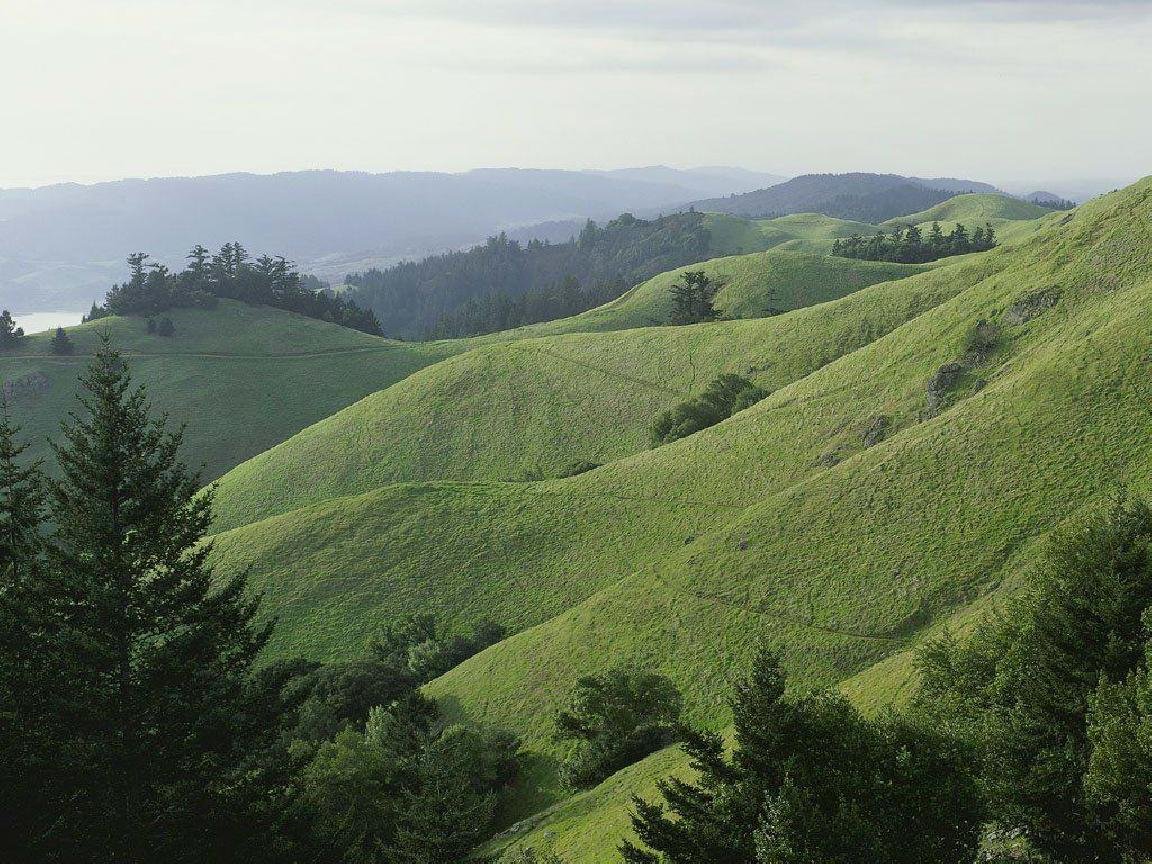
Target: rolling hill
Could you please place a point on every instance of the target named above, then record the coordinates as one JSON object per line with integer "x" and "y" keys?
{"x": 974, "y": 208}
{"x": 516, "y": 406}
{"x": 881, "y": 491}
{"x": 242, "y": 377}
{"x": 246, "y": 378}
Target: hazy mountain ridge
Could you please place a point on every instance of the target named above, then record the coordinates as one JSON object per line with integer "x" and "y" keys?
{"x": 58, "y": 242}
{"x": 858, "y": 196}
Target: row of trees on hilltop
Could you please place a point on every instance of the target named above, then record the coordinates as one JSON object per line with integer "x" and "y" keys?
{"x": 229, "y": 273}
{"x": 910, "y": 246}
{"x": 136, "y": 723}
{"x": 504, "y": 283}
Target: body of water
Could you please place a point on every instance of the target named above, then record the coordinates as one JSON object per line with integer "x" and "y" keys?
{"x": 37, "y": 322}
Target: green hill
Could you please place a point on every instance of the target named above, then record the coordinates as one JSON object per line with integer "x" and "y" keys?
{"x": 751, "y": 284}
{"x": 979, "y": 207}
{"x": 806, "y": 519}
{"x": 242, "y": 377}
{"x": 811, "y": 232}
{"x": 1013, "y": 219}
{"x": 508, "y": 410}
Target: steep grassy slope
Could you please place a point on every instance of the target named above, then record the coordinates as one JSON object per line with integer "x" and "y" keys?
{"x": 791, "y": 521}
{"x": 244, "y": 378}
{"x": 507, "y": 411}
{"x": 848, "y": 564}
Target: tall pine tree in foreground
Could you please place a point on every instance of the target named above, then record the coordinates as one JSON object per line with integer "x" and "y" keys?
{"x": 165, "y": 652}
{"x": 34, "y": 682}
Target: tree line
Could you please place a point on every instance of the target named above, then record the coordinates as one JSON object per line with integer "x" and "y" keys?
{"x": 504, "y": 283}
{"x": 910, "y": 246}
{"x": 502, "y": 310}
{"x": 136, "y": 723}
{"x": 230, "y": 273}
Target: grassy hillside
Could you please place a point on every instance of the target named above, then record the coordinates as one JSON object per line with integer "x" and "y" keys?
{"x": 244, "y": 378}
{"x": 1014, "y": 220}
{"x": 975, "y": 208}
{"x": 781, "y": 522}
{"x": 534, "y": 406}
{"x": 751, "y": 284}
{"x": 813, "y": 232}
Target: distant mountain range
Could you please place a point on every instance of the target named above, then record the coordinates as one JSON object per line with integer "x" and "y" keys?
{"x": 858, "y": 196}
{"x": 61, "y": 246}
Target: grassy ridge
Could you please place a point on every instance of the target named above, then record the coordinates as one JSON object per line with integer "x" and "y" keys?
{"x": 502, "y": 411}
{"x": 1013, "y": 219}
{"x": 977, "y": 207}
{"x": 243, "y": 378}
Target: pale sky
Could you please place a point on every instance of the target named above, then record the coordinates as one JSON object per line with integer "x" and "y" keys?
{"x": 1000, "y": 91}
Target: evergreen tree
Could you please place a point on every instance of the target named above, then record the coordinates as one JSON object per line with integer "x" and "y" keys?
{"x": 61, "y": 343}
{"x": 1021, "y": 689}
{"x": 811, "y": 781}
{"x": 36, "y": 679}
{"x": 199, "y": 267}
{"x": 10, "y": 334}
{"x": 165, "y": 655}
{"x": 693, "y": 299}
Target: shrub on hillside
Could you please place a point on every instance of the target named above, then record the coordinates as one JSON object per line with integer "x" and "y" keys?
{"x": 615, "y": 719}
{"x": 578, "y": 467}
{"x": 419, "y": 648}
{"x": 722, "y": 398}
{"x": 982, "y": 340}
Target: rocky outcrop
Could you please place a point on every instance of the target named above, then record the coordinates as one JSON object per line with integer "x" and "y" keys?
{"x": 1031, "y": 306}
{"x": 940, "y": 386}
{"x": 877, "y": 430}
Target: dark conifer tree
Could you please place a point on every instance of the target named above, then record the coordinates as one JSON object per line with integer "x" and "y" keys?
{"x": 10, "y": 334}
{"x": 61, "y": 343}
{"x": 165, "y": 654}
{"x": 36, "y": 680}
{"x": 693, "y": 299}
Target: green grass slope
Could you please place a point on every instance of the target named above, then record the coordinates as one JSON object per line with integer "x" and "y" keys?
{"x": 1013, "y": 219}
{"x": 977, "y": 208}
{"x": 507, "y": 411}
{"x": 783, "y": 522}
{"x": 731, "y": 235}
{"x": 850, "y": 564}
{"x": 751, "y": 283}
{"x": 243, "y": 377}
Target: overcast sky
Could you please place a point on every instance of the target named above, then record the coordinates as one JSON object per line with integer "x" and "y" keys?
{"x": 1003, "y": 91}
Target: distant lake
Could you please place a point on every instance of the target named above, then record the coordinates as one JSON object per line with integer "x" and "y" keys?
{"x": 37, "y": 322}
